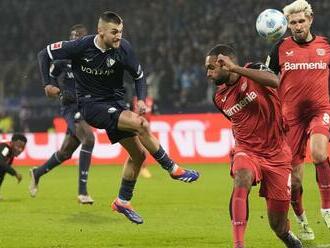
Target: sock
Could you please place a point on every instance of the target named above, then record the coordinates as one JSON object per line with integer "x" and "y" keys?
{"x": 2, "y": 176}
{"x": 50, "y": 164}
{"x": 84, "y": 163}
{"x": 163, "y": 159}
{"x": 323, "y": 181}
{"x": 126, "y": 190}
{"x": 239, "y": 214}
{"x": 302, "y": 218}
{"x": 296, "y": 201}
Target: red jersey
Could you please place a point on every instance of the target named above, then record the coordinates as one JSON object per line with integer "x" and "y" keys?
{"x": 6, "y": 153}
{"x": 304, "y": 71}
{"x": 255, "y": 113}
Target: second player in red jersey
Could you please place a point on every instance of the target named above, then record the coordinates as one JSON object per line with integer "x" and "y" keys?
{"x": 245, "y": 95}
{"x": 302, "y": 61}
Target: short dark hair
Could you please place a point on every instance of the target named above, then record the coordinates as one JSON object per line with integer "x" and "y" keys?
{"x": 78, "y": 26}
{"x": 222, "y": 49}
{"x": 19, "y": 136}
{"x": 112, "y": 17}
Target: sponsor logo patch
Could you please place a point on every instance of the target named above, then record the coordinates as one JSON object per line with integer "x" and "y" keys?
{"x": 56, "y": 45}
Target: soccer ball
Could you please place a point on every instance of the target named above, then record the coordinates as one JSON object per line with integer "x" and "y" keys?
{"x": 271, "y": 24}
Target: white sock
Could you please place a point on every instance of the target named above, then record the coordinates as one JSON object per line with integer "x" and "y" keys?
{"x": 175, "y": 167}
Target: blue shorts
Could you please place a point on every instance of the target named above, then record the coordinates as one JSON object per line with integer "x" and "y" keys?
{"x": 71, "y": 115}
{"x": 105, "y": 115}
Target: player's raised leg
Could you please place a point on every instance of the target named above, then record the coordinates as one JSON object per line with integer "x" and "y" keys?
{"x": 130, "y": 121}
{"x": 85, "y": 135}
{"x": 319, "y": 153}
{"x": 70, "y": 144}
{"x": 131, "y": 171}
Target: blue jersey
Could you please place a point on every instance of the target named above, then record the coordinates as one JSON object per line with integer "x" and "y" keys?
{"x": 98, "y": 72}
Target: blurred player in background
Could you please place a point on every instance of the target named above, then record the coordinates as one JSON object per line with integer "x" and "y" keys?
{"x": 99, "y": 62}
{"x": 62, "y": 85}
{"x": 8, "y": 151}
{"x": 303, "y": 60}
{"x": 245, "y": 96}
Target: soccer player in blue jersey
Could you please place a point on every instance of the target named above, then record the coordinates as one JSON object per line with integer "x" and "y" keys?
{"x": 98, "y": 63}
{"x": 78, "y": 131}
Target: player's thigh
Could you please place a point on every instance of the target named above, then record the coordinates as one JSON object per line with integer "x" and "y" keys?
{"x": 319, "y": 136}
{"x": 276, "y": 182}
{"x": 245, "y": 170}
{"x": 130, "y": 121}
{"x": 134, "y": 148}
{"x": 319, "y": 147}
{"x": 84, "y": 132}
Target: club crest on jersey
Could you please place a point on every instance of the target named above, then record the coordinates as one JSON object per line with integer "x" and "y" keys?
{"x": 110, "y": 62}
{"x": 320, "y": 51}
{"x": 56, "y": 45}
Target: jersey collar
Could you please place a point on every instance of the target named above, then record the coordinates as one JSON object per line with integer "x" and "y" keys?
{"x": 98, "y": 47}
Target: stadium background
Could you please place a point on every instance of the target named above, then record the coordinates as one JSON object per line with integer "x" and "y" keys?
{"x": 171, "y": 38}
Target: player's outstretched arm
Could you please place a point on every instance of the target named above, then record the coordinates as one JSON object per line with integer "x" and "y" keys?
{"x": 258, "y": 73}
{"x": 44, "y": 66}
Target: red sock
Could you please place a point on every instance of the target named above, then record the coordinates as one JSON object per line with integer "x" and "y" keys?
{"x": 296, "y": 201}
{"x": 323, "y": 180}
{"x": 239, "y": 214}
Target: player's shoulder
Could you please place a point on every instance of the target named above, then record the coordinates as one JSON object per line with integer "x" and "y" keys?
{"x": 322, "y": 38}
{"x": 125, "y": 45}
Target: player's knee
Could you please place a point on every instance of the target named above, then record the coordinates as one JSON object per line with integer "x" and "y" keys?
{"x": 89, "y": 140}
{"x": 64, "y": 155}
{"x": 144, "y": 126}
{"x": 243, "y": 178}
{"x": 318, "y": 156}
{"x": 296, "y": 182}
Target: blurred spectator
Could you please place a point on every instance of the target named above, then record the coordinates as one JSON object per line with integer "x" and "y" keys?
{"x": 6, "y": 122}
{"x": 171, "y": 38}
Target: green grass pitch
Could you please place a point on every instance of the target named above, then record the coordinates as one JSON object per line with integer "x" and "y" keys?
{"x": 176, "y": 215}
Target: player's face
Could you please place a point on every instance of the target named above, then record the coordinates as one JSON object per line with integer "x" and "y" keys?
{"x": 300, "y": 26}
{"x": 111, "y": 34}
{"x": 214, "y": 72}
{"x": 18, "y": 147}
{"x": 77, "y": 33}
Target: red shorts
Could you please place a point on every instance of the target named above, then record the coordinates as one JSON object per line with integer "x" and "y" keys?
{"x": 273, "y": 173}
{"x": 298, "y": 135}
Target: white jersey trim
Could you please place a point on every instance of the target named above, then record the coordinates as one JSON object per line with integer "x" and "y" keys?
{"x": 49, "y": 53}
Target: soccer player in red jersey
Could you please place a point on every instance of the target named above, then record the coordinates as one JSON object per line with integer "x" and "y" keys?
{"x": 245, "y": 95}
{"x": 303, "y": 60}
{"x": 8, "y": 151}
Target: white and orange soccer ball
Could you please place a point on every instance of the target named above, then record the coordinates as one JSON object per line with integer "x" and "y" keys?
{"x": 271, "y": 24}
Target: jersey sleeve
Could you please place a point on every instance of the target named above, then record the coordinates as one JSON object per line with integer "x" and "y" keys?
{"x": 272, "y": 61}
{"x": 259, "y": 66}
{"x": 133, "y": 66}
{"x": 55, "y": 70}
{"x": 64, "y": 49}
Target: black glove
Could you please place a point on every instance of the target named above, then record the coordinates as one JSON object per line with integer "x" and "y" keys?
{"x": 67, "y": 97}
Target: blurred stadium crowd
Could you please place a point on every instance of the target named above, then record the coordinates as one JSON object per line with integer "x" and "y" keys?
{"x": 171, "y": 38}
